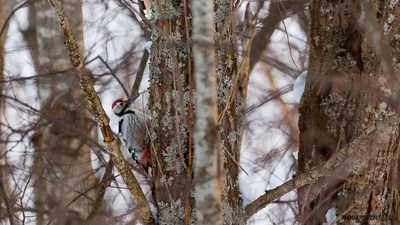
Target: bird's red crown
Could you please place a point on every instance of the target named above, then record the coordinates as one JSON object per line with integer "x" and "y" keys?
{"x": 116, "y": 101}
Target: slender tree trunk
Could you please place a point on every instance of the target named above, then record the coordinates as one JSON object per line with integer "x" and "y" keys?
{"x": 351, "y": 91}
{"x": 207, "y": 144}
{"x": 171, "y": 84}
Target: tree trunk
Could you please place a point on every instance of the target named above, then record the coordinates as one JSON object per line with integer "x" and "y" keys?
{"x": 62, "y": 161}
{"x": 170, "y": 85}
{"x": 206, "y": 138}
{"x": 173, "y": 107}
{"x": 352, "y": 92}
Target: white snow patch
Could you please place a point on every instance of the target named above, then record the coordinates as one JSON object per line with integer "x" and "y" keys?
{"x": 383, "y": 106}
{"x": 148, "y": 45}
{"x": 330, "y": 216}
{"x": 298, "y": 86}
{"x": 296, "y": 155}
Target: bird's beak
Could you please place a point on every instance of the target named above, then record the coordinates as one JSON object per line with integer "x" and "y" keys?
{"x": 132, "y": 99}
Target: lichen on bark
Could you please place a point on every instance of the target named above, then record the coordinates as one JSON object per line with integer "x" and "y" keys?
{"x": 347, "y": 97}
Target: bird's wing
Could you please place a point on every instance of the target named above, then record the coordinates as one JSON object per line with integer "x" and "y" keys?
{"x": 134, "y": 134}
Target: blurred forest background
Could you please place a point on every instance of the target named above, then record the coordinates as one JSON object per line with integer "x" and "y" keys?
{"x": 339, "y": 158}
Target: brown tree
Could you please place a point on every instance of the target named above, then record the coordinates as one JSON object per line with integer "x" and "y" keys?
{"x": 173, "y": 109}
{"x": 349, "y": 109}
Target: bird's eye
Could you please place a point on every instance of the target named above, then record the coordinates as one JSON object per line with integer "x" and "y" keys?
{"x": 120, "y": 103}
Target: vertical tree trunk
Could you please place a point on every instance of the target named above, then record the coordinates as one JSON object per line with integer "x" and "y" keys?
{"x": 172, "y": 104}
{"x": 232, "y": 93}
{"x": 171, "y": 84}
{"x": 207, "y": 143}
{"x": 62, "y": 164}
{"x": 351, "y": 91}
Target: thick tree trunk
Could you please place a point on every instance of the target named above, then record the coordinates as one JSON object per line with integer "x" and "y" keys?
{"x": 351, "y": 91}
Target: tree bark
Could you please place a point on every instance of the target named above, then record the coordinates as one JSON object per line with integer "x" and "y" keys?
{"x": 172, "y": 104}
{"x": 207, "y": 149}
{"x": 171, "y": 85}
{"x": 351, "y": 91}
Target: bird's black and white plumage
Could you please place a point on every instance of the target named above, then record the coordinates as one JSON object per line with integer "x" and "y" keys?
{"x": 132, "y": 130}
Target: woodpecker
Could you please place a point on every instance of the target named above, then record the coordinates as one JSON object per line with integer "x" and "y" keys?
{"x": 132, "y": 130}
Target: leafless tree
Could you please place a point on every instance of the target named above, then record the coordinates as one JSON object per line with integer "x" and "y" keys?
{"x": 206, "y": 58}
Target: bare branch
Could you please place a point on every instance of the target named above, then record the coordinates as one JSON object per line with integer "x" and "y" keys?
{"x": 343, "y": 162}
{"x": 105, "y": 182}
{"x": 22, "y": 5}
{"x": 111, "y": 72}
{"x": 100, "y": 115}
{"x": 139, "y": 75}
{"x": 6, "y": 201}
{"x": 278, "y": 11}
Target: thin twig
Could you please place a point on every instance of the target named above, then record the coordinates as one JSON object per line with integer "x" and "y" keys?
{"x": 111, "y": 72}
{"x": 22, "y": 197}
{"x": 22, "y": 5}
{"x": 188, "y": 120}
{"x": 273, "y": 95}
{"x": 154, "y": 155}
{"x": 243, "y": 72}
{"x": 5, "y": 198}
{"x": 287, "y": 37}
{"x": 140, "y": 72}
{"x": 177, "y": 85}
{"x": 105, "y": 182}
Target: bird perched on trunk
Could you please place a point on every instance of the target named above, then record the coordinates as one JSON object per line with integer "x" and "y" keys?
{"x": 132, "y": 130}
